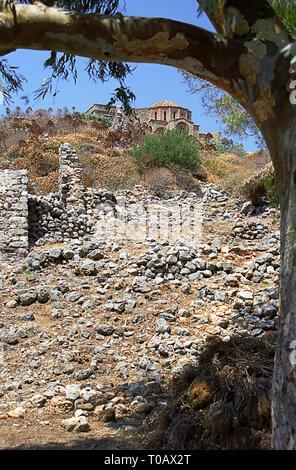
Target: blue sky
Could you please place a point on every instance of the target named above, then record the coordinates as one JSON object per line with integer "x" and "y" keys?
{"x": 150, "y": 83}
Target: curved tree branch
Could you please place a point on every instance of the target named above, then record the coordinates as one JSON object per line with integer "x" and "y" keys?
{"x": 246, "y": 60}
{"x": 122, "y": 39}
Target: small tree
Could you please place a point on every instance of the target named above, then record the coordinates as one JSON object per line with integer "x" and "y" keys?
{"x": 171, "y": 147}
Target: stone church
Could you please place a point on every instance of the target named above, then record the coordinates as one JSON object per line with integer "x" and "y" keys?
{"x": 161, "y": 116}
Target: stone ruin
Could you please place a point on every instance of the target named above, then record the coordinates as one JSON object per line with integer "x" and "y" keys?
{"x": 13, "y": 210}
{"x": 27, "y": 219}
{"x": 75, "y": 212}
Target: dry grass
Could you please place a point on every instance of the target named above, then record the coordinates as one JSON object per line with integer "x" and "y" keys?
{"x": 160, "y": 178}
{"x": 232, "y": 172}
{"x": 220, "y": 165}
{"x": 254, "y": 187}
{"x": 102, "y": 166}
{"x": 116, "y": 172}
{"x": 223, "y": 402}
{"x": 184, "y": 178}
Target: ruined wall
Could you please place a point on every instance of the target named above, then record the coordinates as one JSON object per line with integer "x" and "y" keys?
{"x": 13, "y": 210}
{"x": 208, "y": 136}
{"x": 69, "y": 214}
{"x": 101, "y": 110}
{"x": 62, "y": 216}
{"x": 142, "y": 114}
{"x": 71, "y": 189}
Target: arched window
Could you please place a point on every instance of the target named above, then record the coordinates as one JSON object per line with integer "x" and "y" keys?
{"x": 182, "y": 127}
{"x": 164, "y": 115}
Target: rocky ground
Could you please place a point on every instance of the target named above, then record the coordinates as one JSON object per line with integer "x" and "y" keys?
{"x": 93, "y": 330}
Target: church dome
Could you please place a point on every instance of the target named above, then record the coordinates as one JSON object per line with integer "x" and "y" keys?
{"x": 162, "y": 104}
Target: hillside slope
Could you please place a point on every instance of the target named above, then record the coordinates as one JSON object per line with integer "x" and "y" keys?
{"x": 94, "y": 332}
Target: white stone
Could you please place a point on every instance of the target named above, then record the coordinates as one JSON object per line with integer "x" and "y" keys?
{"x": 78, "y": 424}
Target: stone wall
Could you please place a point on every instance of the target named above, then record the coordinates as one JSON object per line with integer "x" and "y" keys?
{"x": 71, "y": 189}
{"x": 142, "y": 114}
{"x": 102, "y": 111}
{"x": 72, "y": 213}
{"x": 50, "y": 220}
{"x": 210, "y": 136}
{"x": 13, "y": 210}
{"x": 69, "y": 214}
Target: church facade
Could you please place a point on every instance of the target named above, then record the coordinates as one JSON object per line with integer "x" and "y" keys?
{"x": 161, "y": 116}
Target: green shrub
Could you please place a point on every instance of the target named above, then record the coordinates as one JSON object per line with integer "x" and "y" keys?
{"x": 93, "y": 117}
{"x": 90, "y": 117}
{"x": 171, "y": 147}
{"x": 26, "y": 270}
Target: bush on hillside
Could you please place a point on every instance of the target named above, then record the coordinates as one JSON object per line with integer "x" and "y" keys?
{"x": 234, "y": 149}
{"x": 93, "y": 117}
{"x": 171, "y": 147}
{"x": 271, "y": 189}
{"x": 242, "y": 176}
{"x": 185, "y": 179}
{"x": 261, "y": 187}
{"x": 220, "y": 166}
{"x": 159, "y": 179}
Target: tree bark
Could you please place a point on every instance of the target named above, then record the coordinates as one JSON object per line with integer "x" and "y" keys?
{"x": 284, "y": 380}
{"x": 122, "y": 39}
{"x": 245, "y": 60}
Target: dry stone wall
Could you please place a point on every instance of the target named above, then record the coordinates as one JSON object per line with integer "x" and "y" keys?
{"x": 71, "y": 189}
{"x": 27, "y": 219}
{"x": 62, "y": 216}
{"x": 13, "y": 210}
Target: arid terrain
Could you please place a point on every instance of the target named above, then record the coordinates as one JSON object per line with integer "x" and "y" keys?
{"x": 93, "y": 332}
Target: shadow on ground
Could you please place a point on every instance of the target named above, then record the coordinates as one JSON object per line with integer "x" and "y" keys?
{"x": 221, "y": 403}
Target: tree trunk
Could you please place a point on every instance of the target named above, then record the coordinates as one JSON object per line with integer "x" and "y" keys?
{"x": 284, "y": 383}
{"x": 283, "y": 151}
